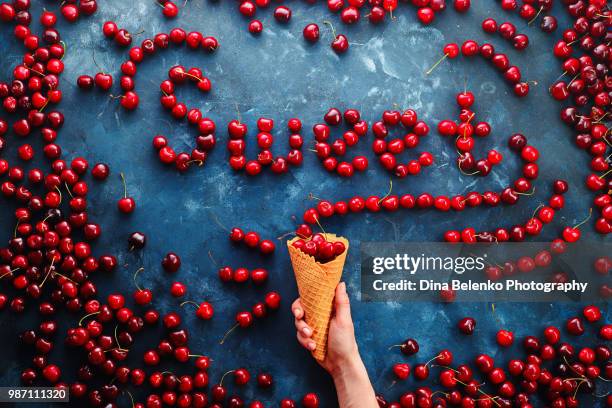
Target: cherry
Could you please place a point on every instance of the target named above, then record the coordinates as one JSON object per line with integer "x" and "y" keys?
{"x": 103, "y": 81}
{"x": 467, "y": 325}
{"x": 178, "y": 289}
{"x": 310, "y": 400}
{"x": 170, "y": 10}
{"x": 171, "y": 262}
{"x": 255, "y": 27}
{"x": 572, "y": 234}
{"x": 282, "y": 14}
{"x": 505, "y": 338}
{"x": 264, "y": 380}
{"x": 591, "y": 313}
{"x": 574, "y": 326}
{"x": 126, "y": 204}
{"x": 401, "y": 371}
{"x": 311, "y": 33}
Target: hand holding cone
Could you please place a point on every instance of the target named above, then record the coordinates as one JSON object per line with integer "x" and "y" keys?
{"x": 317, "y": 286}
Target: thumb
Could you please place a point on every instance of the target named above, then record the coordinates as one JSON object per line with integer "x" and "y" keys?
{"x": 342, "y": 304}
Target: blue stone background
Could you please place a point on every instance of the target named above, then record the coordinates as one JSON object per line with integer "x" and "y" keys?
{"x": 280, "y": 76}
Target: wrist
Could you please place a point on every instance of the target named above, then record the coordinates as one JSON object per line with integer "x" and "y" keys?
{"x": 350, "y": 366}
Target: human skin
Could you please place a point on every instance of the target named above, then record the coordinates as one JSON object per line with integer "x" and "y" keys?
{"x": 342, "y": 361}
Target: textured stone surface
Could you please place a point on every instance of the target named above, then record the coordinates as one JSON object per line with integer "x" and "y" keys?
{"x": 280, "y": 76}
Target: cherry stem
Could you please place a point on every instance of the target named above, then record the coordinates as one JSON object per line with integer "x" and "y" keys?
{"x": 389, "y": 192}
{"x": 216, "y": 220}
{"x": 333, "y": 30}
{"x": 561, "y": 76}
{"x": 191, "y": 302}
{"x": 17, "y": 226}
{"x": 93, "y": 57}
{"x": 429, "y": 71}
{"x": 130, "y": 395}
{"x": 527, "y": 194}
{"x": 536, "y": 16}
{"x": 600, "y": 119}
{"x": 134, "y": 277}
{"x": 210, "y": 255}
{"x": 68, "y": 190}
{"x": 392, "y": 384}
{"x": 8, "y": 273}
{"x": 605, "y": 174}
{"x": 117, "y": 340}
{"x": 467, "y": 174}
{"x": 573, "y": 79}
{"x": 446, "y": 367}
{"x": 86, "y": 316}
{"x": 124, "y": 185}
{"x": 60, "y": 193}
{"x": 480, "y": 391}
{"x": 585, "y": 220}
{"x": 193, "y": 76}
{"x": 320, "y": 226}
{"x": 536, "y": 210}
{"x": 65, "y": 47}
{"x": 228, "y": 333}
{"x": 238, "y": 112}
{"x": 314, "y": 197}
{"x": 393, "y": 346}
{"x": 433, "y": 359}
{"x": 285, "y": 235}
{"x": 223, "y": 376}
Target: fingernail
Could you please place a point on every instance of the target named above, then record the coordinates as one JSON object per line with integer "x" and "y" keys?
{"x": 343, "y": 286}
{"x": 307, "y": 331}
{"x": 312, "y": 345}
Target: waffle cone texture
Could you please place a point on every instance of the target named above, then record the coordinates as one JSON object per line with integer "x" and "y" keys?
{"x": 317, "y": 287}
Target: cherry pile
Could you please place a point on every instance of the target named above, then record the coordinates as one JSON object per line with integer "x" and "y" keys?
{"x": 317, "y": 245}
{"x": 557, "y": 369}
{"x": 328, "y": 154}
{"x": 587, "y": 96}
{"x": 237, "y": 147}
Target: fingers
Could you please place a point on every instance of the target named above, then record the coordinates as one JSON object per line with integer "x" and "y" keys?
{"x": 303, "y": 328}
{"x": 342, "y": 304}
{"x": 304, "y": 332}
{"x": 306, "y": 342}
{"x": 297, "y": 309}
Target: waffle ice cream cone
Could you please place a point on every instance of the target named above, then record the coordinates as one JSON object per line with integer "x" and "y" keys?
{"x": 317, "y": 287}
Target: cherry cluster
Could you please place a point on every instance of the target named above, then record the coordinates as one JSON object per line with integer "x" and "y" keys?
{"x": 588, "y": 95}
{"x": 121, "y": 36}
{"x": 555, "y": 369}
{"x": 530, "y": 10}
{"x": 317, "y": 245}
{"x": 237, "y": 146}
{"x": 206, "y": 139}
{"x": 464, "y": 142}
{"x": 388, "y": 150}
{"x": 177, "y": 36}
{"x": 508, "y": 31}
{"x": 328, "y": 154}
